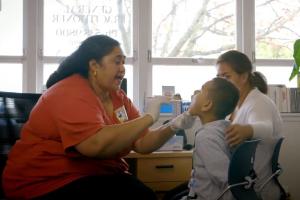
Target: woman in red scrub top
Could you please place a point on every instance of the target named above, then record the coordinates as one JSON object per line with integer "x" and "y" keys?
{"x": 73, "y": 144}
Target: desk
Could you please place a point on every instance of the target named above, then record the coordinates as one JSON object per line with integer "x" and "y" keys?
{"x": 161, "y": 171}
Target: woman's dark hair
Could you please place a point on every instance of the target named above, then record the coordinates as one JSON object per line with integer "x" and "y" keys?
{"x": 94, "y": 47}
{"x": 240, "y": 63}
{"x": 224, "y": 96}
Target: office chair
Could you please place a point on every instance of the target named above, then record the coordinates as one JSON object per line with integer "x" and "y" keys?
{"x": 276, "y": 170}
{"x": 241, "y": 175}
{"x": 14, "y": 112}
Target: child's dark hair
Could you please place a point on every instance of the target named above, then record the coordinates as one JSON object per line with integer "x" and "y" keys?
{"x": 94, "y": 47}
{"x": 240, "y": 63}
{"x": 224, "y": 96}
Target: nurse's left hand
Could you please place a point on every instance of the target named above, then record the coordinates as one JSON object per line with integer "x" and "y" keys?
{"x": 153, "y": 106}
{"x": 236, "y": 133}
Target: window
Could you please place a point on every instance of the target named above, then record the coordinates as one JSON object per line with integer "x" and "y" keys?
{"x": 181, "y": 29}
{"x": 277, "y": 28}
{"x": 48, "y": 70}
{"x": 68, "y": 22}
{"x": 11, "y": 45}
{"x": 11, "y": 34}
{"x": 186, "y": 79}
{"x": 186, "y": 40}
{"x": 164, "y": 41}
{"x": 11, "y": 77}
{"x": 273, "y": 74}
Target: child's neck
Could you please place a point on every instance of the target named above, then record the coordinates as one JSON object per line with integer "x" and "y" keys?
{"x": 207, "y": 117}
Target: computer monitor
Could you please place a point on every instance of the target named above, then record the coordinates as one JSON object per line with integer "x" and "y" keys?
{"x": 173, "y": 108}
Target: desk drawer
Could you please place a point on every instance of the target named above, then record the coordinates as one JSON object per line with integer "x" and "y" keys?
{"x": 164, "y": 169}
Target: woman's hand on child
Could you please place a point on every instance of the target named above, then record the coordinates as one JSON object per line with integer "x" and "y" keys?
{"x": 236, "y": 133}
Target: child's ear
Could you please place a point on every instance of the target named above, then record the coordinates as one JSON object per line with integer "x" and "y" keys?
{"x": 207, "y": 105}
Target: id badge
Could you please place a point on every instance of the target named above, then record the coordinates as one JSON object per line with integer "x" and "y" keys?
{"x": 121, "y": 114}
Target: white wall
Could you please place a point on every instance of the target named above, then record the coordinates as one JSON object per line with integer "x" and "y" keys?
{"x": 289, "y": 155}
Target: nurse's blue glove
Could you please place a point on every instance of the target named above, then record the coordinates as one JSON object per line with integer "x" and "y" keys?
{"x": 153, "y": 106}
{"x": 182, "y": 121}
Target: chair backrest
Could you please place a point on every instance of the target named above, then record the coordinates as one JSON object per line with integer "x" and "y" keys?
{"x": 276, "y": 168}
{"x": 241, "y": 170}
{"x": 275, "y": 156}
{"x": 14, "y": 112}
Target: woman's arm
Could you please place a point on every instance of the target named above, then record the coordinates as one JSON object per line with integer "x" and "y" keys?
{"x": 112, "y": 139}
{"x": 259, "y": 125}
{"x": 237, "y": 133}
{"x": 154, "y": 139}
{"x": 262, "y": 121}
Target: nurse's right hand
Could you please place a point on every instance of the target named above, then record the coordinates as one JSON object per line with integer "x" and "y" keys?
{"x": 237, "y": 133}
{"x": 153, "y": 106}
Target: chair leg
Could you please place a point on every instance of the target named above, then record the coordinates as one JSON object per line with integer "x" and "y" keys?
{"x": 231, "y": 186}
{"x": 221, "y": 195}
